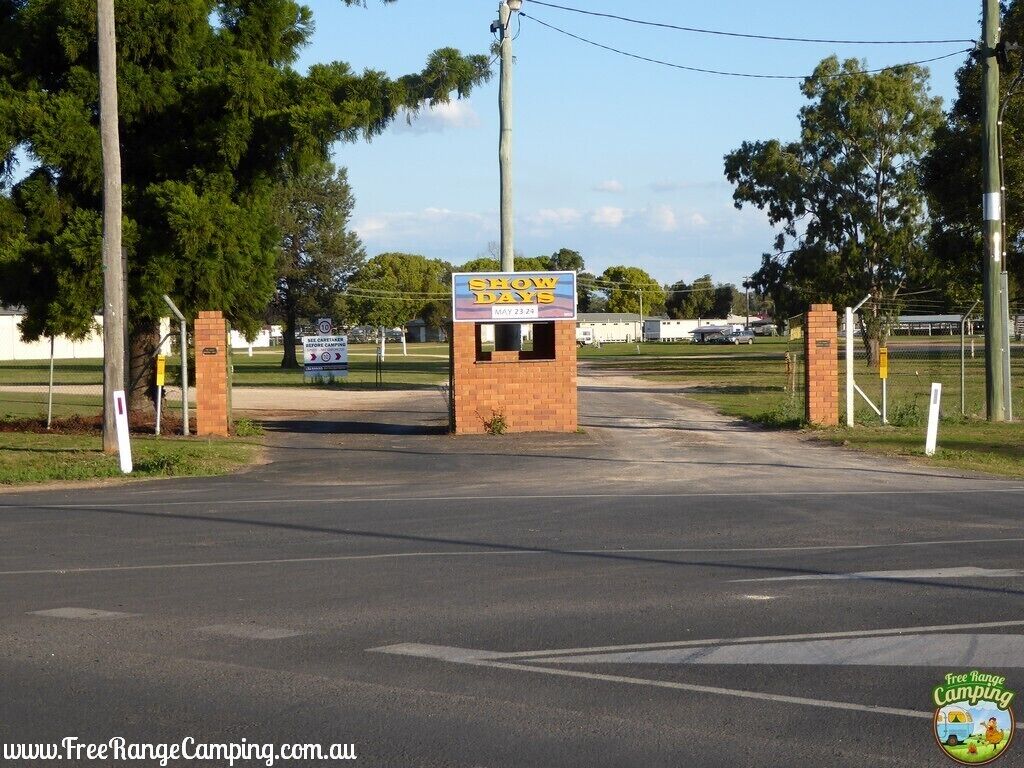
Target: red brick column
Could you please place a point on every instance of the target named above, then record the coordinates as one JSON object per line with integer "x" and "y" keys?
{"x": 533, "y": 395}
{"x": 821, "y": 352}
{"x": 211, "y": 337}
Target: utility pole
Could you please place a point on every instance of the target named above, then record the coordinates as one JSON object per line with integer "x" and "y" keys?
{"x": 643, "y": 331}
{"x": 746, "y": 290}
{"x": 507, "y": 336}
{"x": 114, "y": 321}
{"x": 996, "y": 396}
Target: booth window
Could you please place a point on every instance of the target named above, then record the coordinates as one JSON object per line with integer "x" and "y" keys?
{"x": 538, "y": 344}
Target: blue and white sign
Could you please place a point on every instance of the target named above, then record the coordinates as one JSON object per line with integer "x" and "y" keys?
{"x": 325, "y": 357}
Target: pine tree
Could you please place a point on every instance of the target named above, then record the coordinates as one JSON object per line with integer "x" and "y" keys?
{"x": 213, "y": 114}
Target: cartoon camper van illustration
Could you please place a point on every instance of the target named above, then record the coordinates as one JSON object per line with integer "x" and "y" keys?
{"x": 954, "y": 726}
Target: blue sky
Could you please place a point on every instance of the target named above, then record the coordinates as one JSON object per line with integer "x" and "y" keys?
{"x": 616, "y": 158}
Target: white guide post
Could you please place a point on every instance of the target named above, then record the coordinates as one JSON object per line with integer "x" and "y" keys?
{"x": 124, "y": 447}
{"x": 933, "y": 420}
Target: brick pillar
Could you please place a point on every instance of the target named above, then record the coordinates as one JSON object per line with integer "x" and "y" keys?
{"x": 821, "y": 352}
{"x": 211, "y": 335}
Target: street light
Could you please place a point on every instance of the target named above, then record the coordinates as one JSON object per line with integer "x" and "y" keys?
{"x": 515, "y": 5}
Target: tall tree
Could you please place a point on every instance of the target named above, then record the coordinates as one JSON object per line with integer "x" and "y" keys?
{"x": 318, "y": 251}
{"x": 691, "y": 300}
{"x": 391, "y": 289}
{"x": 624, "y": 287}
{"x": 846, "y": 194}
{"x": 952, "y": 176}
{"x": 212, "y": 114}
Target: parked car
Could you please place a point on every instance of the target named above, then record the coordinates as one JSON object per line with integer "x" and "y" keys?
{"x": 741, "y": 337}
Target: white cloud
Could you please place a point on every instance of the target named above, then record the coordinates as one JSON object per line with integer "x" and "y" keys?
{"x": 608, "y": 216}
{"x": 556, "y": 217}
{"x": 697, "y": 220}
{"x": 427, "y": 224}
{"x": 663, "y": 219}
{"x": 611, "y": 185}
{"x": 456, "y": 114}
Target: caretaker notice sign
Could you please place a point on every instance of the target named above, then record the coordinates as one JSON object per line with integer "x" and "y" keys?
{"x": 510, "y": 297}
{"x": 325, "y": 356}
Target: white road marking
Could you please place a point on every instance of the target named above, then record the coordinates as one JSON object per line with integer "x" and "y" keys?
{"x": 89, "y": 614}
{"x": 501, "y": 553}
{"x": 937, "y": 650}
{"x": 248, "y": 631}
{"x": 440, "y": 652}
{"x": 712, "y": 690}
{"x": 765, "y": 639}
{"x": 505, "y": 661}
{"x": 966, "y": 572}
{"x": 528, "y": 497}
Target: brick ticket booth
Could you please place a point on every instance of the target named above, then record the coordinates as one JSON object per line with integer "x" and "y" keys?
{"x": 513, "y": 351}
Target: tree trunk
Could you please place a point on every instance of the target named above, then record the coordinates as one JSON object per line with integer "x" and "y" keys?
{"x": 143, "y": 342}
{"x": 288, "y": 337}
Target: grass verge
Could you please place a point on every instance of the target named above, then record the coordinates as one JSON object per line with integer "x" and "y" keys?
{"x": 29, "y": 458}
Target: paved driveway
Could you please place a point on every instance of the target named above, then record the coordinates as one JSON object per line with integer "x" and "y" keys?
{"x": 668, "y": 587}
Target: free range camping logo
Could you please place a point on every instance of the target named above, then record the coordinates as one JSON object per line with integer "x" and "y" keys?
{"x": 973, "y": 721}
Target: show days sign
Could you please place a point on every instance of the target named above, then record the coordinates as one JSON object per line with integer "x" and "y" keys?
{"x": 513, "y": 296}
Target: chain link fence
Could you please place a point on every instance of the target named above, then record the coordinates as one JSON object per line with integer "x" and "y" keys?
{"x": 31, "y": 390}
{"x": 795, "y": 360}
{"x": 923, "y": 350}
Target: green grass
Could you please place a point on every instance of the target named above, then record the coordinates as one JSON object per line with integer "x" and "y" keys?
{"x": 684, "y": 348}
{"x": 20, "y": 405}
{"x": 28, "y": 458}
{"x": 426, "y": 366}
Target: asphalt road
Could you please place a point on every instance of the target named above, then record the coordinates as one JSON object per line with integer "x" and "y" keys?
{"x": 667, "y": 588}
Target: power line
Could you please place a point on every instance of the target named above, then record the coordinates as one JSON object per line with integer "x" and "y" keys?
{"x": 721, "y": 33}
{"x": 726, "y": 73}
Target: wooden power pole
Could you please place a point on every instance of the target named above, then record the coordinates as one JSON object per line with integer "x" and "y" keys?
{"x": 996, "y": 320}
{"x": 114, "y": 320}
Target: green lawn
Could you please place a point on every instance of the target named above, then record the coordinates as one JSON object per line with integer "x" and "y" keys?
{"x": 425, "y": 366}
{"x": 38, "y": 458}
{"x": 21, "y": 405}
{"x": 682, "y": 348}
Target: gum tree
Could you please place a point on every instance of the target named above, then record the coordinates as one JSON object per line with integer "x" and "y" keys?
{"x": 846, "y": 195}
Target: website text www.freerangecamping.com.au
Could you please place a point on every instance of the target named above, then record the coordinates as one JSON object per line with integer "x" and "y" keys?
{"x": 118, "y": 750}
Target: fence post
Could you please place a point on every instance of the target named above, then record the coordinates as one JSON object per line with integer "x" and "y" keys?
{"x": 849, "y": 366}
{"x": 49, "y": 396}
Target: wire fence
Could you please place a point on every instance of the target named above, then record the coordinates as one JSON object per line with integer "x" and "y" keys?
{"x": 795, "y": 366}
{"x": 951, "y": 353}
{"x": 32, "y": 392}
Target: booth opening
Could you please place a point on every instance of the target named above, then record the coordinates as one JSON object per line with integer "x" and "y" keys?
{"x": 538, "y": 341}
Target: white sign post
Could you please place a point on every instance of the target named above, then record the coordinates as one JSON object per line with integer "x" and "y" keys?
{"x": 325, "y": 357}
{"x": 124, "y": 447}
{"x": 933, "y": 420}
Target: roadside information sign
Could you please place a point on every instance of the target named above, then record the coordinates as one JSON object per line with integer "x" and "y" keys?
{"x": 325, "y": 326}
{"x": 325, "y": 357}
